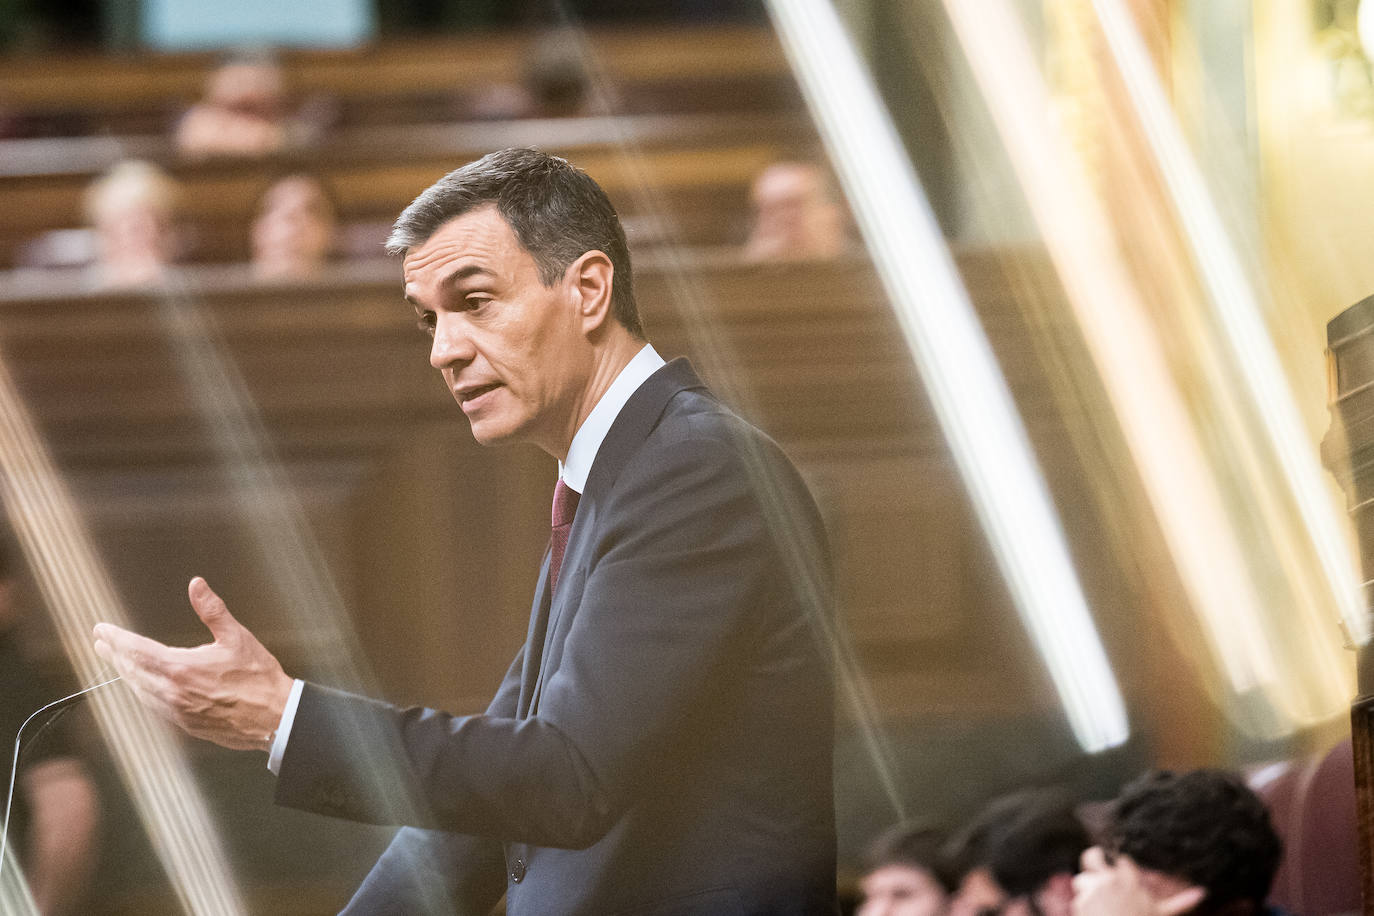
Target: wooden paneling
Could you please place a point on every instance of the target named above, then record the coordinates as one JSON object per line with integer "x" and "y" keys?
{"x": 338, "y": 376}
{"x": 699, "y": 167}
{"x": 692, "y": 61}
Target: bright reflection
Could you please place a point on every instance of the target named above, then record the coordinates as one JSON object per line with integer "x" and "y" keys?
{"x": 15, "y": 897}
{"x": 1254, "y": 357}
{"x": 280, "y": 530}
{"x": 79, "y": 593}
{"x": 1129, "y": 354}
{"x": 720, "y": 363}
{"x": 1204, "y": 504}
{"x": 966, "y": 388}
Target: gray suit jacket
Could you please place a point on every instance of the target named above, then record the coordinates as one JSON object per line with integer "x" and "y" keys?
{"x": 662, "y": 744}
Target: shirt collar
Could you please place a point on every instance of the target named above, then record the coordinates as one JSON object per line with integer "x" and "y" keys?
{"x": 587, "y": 441}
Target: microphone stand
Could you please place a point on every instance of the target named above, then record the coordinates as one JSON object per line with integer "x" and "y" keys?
{"x": 55, "y": 710}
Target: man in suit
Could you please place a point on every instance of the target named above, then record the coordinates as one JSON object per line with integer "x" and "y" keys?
{"x": 662, "y": 743}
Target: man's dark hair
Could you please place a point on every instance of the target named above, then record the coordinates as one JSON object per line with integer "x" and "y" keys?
{"x": 1039, "y": 837}
{"x": 912, "y": 847}
{"x": 1205, "y": 827}
{"x": 555, "y": 209}
{"x": 1024, "y": 839}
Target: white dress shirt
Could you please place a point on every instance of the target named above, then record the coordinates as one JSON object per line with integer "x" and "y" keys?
{"x": 573, "y": 471}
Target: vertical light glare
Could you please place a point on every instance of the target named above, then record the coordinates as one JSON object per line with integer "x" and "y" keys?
{"x": 1364, "y": 27}
{"x": 281, "y": 531}
{"x": 15, "y": 897}
{"x": 1130, "y": 356}
{"x": 79, "y": 594}
{"x": 1239, "y": 311}
{"x": 718, "y": 363}
{"x": 966, "y": 388}
{"x": 264, "y": 495}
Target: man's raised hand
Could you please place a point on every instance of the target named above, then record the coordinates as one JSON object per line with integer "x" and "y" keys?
{"x": 231, "y": 691}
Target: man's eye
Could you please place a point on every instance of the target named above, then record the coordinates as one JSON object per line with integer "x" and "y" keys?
{"x": 426, "y": 323}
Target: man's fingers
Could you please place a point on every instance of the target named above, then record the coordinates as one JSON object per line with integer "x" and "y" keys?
{"x": 1181, "y": 902}
{"x": 146, "y": 665}
{"x": 212, "y": 611}
{"x": 131, "y": 648}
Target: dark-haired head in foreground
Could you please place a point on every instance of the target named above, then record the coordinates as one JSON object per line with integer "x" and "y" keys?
{"x": 557, "y": 212}
{"x": 1203, "y": 828}
{"x": 518, "y": 269}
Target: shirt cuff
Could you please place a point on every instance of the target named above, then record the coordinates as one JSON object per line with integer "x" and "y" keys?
{"x": 288, "y": 718}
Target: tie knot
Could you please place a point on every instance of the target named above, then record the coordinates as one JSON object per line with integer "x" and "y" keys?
{"x": 564, "y": 504}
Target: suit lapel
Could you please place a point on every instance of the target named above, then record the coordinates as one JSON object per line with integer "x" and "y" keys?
{"x": 632, "y": 426}
{"x": 534, "y": 641}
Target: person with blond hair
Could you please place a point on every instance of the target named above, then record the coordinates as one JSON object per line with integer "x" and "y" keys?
{"x": 131, "y": 209}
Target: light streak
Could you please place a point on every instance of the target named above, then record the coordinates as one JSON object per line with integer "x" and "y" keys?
{"x": 286, "y": 543}
{"x": 1130, "y": 356}
{"x": 15, "y": 897}
{"x": 714, "y": 354}
{"x": 79, "y": 594}
{"x": 970, "y": 397}
{"x": 1237, "y": 305}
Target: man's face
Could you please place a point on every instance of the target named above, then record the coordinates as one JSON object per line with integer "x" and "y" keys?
{"x": 901, "y": 890}
{"x": 511, "y": 350}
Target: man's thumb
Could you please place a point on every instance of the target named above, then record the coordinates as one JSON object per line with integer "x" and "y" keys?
{"x": 210, "y": 608}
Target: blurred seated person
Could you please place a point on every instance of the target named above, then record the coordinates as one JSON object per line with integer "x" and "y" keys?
{"x": 1018, "y": 857}
{"x": 243, "y": 112}
{"x": 904, "y": 875}
{"x": 553, "y": 84}
{"x": 131, "y": 209}
{"x": 294, "y": 230}
{"x": 797, "y": 215}
{"x": 1199, "y": 843}
{"x": 56, "y": 810}
{"x": 966, "y": 859}
{"x": 1033, "y": 854}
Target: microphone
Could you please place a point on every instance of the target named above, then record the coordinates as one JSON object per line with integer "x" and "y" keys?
{"x": 56, "y": 708}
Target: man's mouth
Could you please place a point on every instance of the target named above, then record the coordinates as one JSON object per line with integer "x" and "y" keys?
{"x": 471, "y": 396}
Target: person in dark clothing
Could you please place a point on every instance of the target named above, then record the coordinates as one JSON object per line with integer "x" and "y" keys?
{"x": 1019, "y": 855}
{"x": 1199, "y": 842}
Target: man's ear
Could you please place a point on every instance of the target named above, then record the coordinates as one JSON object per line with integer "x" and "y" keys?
{"x": 590, "y": 280}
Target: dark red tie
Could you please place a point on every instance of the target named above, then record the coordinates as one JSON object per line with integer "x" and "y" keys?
{"x": 564, "y": 508}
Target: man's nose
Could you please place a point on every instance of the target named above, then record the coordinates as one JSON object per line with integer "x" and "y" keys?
{"x": 451, "y": 345}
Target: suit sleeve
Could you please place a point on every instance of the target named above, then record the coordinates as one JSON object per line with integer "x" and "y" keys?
{"x": 434, "y": 871}
{"x": 681, "y": 555}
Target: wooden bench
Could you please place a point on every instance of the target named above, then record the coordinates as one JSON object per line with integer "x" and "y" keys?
{"x": 651, "y": 69}
{"x": 701, "y": 164}
{"x": 97, "y": 364}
